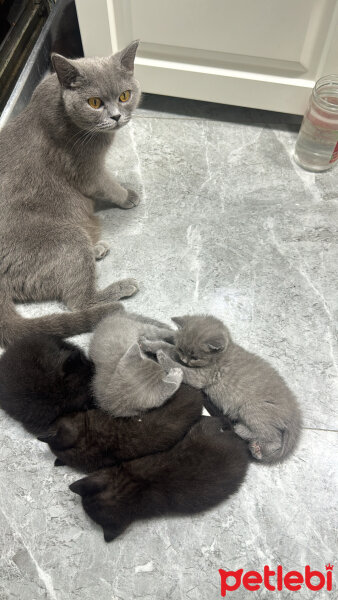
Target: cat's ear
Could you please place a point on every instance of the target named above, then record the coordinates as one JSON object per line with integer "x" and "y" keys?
{"x": 88, "y": 486}
{"x": 216, "y": 344}
{"x": 66, "y": 436}
{"x": 126, "y": 57}
{"x": 134, "y": 352}
{"x": 172, "y": 382}
{"x": 66, "y": 70}
{"x": 47, "y": 435}
{"x": 61, "y": 436}
{"x": 73, "y": 361}
{"x": 179, "y": 321}
{"x": 110, "y": 533}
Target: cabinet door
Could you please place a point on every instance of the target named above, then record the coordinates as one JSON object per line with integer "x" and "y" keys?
{"x": 257, "y": 53}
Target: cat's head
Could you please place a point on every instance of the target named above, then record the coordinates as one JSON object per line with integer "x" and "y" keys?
{"x": 53, "y": 365}
{"x": 200, "y": 339}
{"x": 99, "y": 94}
{"x": 64, "y": 433}
{"x": 143, "y": 380}
{"x": 107, "y": 500}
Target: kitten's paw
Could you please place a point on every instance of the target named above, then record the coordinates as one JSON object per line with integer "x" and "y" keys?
{"x": 152, "y": 346}
{"x": 145, "y": 344}
{"x": 132, "y": 200}
{"x": 255, "y": 450}
{"x": 174, "y": 376}
{"x": 101, "y": 249}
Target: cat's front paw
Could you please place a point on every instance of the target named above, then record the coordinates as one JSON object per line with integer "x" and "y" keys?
{"x": 101, "y": 249}
{"x": 132, "y": 200}
{"x": 145, "y": 344}
{"x": 152, "y": 346}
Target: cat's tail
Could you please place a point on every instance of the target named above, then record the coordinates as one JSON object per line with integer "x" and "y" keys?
{"x": 290, "y": 438}
{"x": 66, "y": 324}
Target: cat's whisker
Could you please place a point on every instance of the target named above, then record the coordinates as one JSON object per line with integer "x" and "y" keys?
{"x": 73, "y": 137}
{"x": 82, "y": 139}
{"x": 82, "y": 135}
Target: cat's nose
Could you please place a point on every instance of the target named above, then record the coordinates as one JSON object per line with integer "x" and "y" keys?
{"x": 115, "y": 117}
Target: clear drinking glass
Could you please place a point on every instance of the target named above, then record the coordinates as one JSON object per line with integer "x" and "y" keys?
{"x": 317, "y": 143}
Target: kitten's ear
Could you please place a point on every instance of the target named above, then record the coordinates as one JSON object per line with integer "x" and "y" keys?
{"x": 66, "y": 436}
{"x": 61, "y": 436}
{"x": 216, "y": 344}
{"x": 88, "y": 486}
{"x": 134, "y": 352}
{"x": 65, "y": 69}
{"x": 110, "y": 533}
{"x": 126, "y": 56}
{"x": 179, "y": 321}
{"x": 47, "y": 436}
{"x": 172, "y": 382}
{"x": 73, "y": 361}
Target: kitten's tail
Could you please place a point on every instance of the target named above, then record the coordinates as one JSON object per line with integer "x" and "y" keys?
{"x": 290, "y": 439}
{"x": 14, "y": 326}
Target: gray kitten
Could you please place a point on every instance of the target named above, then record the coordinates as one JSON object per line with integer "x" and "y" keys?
{"x": 243, "y": 385}
{"x": 126, "y": 382}
{"x": 51, "y": 170}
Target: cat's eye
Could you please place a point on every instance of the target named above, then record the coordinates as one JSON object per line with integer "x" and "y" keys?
{"x": 125, "y": 96}
{"x": 95, "y": 102}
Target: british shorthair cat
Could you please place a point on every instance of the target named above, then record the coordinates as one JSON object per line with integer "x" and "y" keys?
{"x": 244, "y": 386}
{"x": 43, "y": 377}
{"x": 93, "y": 439}
{"x": 126, "y": 381}
{"x": 201, "y": 471}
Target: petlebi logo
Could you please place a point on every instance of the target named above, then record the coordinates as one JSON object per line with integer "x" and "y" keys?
{"x": 276, "y": 580}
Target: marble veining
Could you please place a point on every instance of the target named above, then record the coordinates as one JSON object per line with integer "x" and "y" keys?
{"x": 228, "y": 224}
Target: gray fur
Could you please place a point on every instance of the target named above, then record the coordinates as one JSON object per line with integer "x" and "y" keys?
{"x": 126, "y": 382}
{"x": 51, "y": 170}
{"x": 243, "y": 385}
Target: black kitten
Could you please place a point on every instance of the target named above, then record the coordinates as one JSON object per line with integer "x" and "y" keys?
{"x": 91, "y": 440}
{"x": 43, "y": 377}
{"x": 201, "y": 471}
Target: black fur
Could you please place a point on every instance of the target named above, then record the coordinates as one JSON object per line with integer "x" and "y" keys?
{"x": 43, "y": 377}
{"x": 201, "y": 471}
{"x": 91, "y": 440}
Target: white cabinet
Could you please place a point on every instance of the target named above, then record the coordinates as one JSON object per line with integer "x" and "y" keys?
{"x": 257, "y": 53}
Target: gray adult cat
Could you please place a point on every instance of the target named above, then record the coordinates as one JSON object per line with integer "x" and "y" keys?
{"x": 126, "y": 382}
{"x": 243, "y": 385}
{"x": 51, "y": 169}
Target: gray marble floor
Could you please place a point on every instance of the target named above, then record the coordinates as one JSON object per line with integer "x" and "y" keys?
{"x": 228, "y": 224}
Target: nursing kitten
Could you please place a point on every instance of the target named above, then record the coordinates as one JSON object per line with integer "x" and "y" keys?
{"x": 243, "y": 385}
{"x": 126, "y": 382}
{"x": 92, "y": 440}
{"x": 51, "y": 170}
{"x": 201, "y": 471}
{"x": 43, "y": 377}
